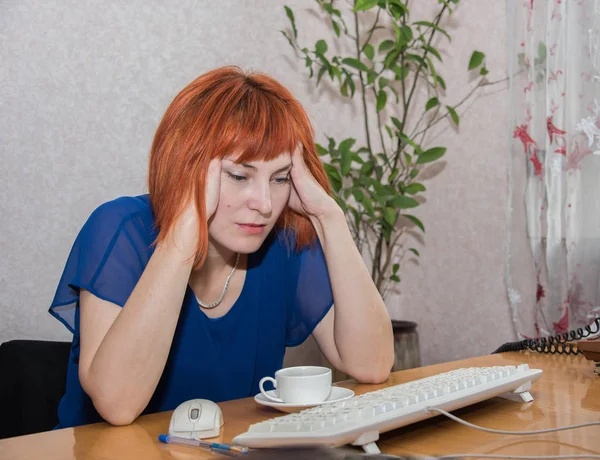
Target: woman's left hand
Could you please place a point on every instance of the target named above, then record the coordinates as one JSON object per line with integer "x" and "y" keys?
{"x": 307, "y": 196}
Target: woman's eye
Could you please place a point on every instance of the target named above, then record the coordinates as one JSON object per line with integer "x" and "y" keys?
{"x": 282, "y": 180}
{"x": 236, "y": 177}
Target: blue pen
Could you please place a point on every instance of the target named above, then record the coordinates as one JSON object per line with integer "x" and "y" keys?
{"x": 225, "y": 449}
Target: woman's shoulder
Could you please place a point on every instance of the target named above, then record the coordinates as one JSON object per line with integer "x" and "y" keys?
{"x": 124, "y": 207}
{"x": 117, "y": 212}
{"x": 111, "y": 217}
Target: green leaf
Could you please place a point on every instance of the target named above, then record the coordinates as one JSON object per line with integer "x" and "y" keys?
{"x": 290, "y": 15}
{"x": 407, "y": 33}
{"x": 363, "y": 5}
{"x": 433, "y": 26}
{"x": 483, "y": 72}
{"x": 368, "y": 205}
{"x": 414, "y": 251}
{"x": 395, "y": 278}
{"x": 346, "y": 161}
{"x": 351, "y": 85}
{"x": 397, "y": 123}
{"x": 322, "y": 70}
{"x": 393, "y": 90}
{"x": 344, "y": 89}
{"x": 369, "y": 51}
{"x": 414, "y": 173}
{"x": 432, "y": 50}
{"x": 334, "y": 176}
{"x": 416, "y": 221}
{"x": 330, "y": 9}
{"x": 414, "y": 188}
{"x": 371, "y": 76}
{"x": 453, "y": 115}
{"x": 381, "y": 100}
{"x": 386, "y": 45}
{"x": 476, "y": 59}
{"x": 391, "y": 58}
{"x": 404, "y": 202}
{"x": 322, "y": 151}
{"x": 359, "y": 196}
{"x": 413, "y": 144}
{"x": 395, "y": 268}
{"x": 383, "y": 82}
{"x": 321, "y": 47}
{"x": 441, "y": 81}
{"x": 401, "y": 72}
{"x": 398, "y": 10}
{"x": 352, "y": 62}
{"x": 346, "y": 144}
{"x": 389, "y": 215}
{"x": 431, "y": 103}
{"x": 417, "y": 59}
{"x": 336, "y": 28}
{"x": 366, "y": 169}
{"x": 430, "y": 155}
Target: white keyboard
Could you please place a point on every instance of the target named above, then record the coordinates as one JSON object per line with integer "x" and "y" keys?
{"x": 360, "y": 419}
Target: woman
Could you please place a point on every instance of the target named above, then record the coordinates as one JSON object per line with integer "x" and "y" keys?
{"x": 195, "y": 290}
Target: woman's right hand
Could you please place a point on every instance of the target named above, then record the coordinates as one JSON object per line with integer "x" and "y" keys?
{"x": 213, "y": 187}
{"x": 185, "y": 233}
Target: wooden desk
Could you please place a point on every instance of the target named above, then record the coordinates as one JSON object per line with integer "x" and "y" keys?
{"x": 568, "y": 393}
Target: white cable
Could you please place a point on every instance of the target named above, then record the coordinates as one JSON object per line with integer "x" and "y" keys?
{"x": 489, "y": 430}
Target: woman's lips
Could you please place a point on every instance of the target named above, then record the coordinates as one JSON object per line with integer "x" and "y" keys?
{"x": 253, "y": 229}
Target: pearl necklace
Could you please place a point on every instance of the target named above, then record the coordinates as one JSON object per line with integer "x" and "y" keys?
{"x": 218, "y": 301}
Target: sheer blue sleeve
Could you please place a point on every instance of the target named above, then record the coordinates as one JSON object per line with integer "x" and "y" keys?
{"x": 107, "y": 258}
{"x": 309, "y": 293}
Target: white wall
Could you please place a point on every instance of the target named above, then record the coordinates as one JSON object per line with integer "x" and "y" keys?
{"x": 83, "y": 86}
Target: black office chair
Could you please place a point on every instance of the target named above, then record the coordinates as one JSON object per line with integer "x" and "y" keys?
{"x": 33, "y": 376}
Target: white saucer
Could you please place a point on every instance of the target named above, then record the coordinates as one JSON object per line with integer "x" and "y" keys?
{"x": 337, "y": 394}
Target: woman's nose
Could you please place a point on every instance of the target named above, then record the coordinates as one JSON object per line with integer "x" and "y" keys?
{"x": 261, "y": 199}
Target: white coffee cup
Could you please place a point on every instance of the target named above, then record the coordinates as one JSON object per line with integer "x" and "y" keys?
{"x": 299, "y": 385}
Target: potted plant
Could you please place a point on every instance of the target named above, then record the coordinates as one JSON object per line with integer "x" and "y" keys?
{"x": 390, "y": 71}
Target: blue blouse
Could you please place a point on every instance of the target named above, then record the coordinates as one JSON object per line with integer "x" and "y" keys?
{"x": 285, "y": 295}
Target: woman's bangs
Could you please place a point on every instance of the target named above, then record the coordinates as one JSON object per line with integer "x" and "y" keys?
{"x": 264, "y": 135}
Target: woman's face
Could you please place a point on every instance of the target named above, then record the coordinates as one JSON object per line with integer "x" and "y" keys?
{"x": 253, "y": 196}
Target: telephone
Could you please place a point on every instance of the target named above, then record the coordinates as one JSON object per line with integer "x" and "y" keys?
{"x": 558, "y": 344}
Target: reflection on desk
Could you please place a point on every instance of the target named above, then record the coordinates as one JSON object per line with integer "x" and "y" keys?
{"x": 567, "y": 394}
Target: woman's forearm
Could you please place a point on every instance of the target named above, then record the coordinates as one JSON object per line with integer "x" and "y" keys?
{"x": 362, "y": 327}
{"x": 125, "y": 369}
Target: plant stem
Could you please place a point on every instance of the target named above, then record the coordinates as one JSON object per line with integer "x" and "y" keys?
{"x": 379, "y": 127}
{"x": 371, "y": 30}
{"x": 480, "y": 84}
{"x": 436, "y": 21}
{"x": 362, "y": 86}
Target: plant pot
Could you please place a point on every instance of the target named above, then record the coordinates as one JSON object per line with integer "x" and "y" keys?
{"x": 406, "y": 345}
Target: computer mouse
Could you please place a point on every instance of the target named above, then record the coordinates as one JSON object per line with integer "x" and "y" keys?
{"x": 196, "y": 419}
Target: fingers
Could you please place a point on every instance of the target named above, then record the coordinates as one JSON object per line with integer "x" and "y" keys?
{"x": 213, "y": 186}
{"x": 298, "y": 157}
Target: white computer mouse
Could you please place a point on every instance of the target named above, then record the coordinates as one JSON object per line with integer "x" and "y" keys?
{"x": 196, "y": 419}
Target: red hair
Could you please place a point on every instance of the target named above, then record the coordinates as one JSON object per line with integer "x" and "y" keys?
{"x": 226, "y": 111}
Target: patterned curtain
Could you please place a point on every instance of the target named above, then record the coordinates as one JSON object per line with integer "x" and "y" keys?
{"x": 553, "y": 243}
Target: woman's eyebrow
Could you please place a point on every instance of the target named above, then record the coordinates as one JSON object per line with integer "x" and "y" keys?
{"x": 284, "y": 168}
